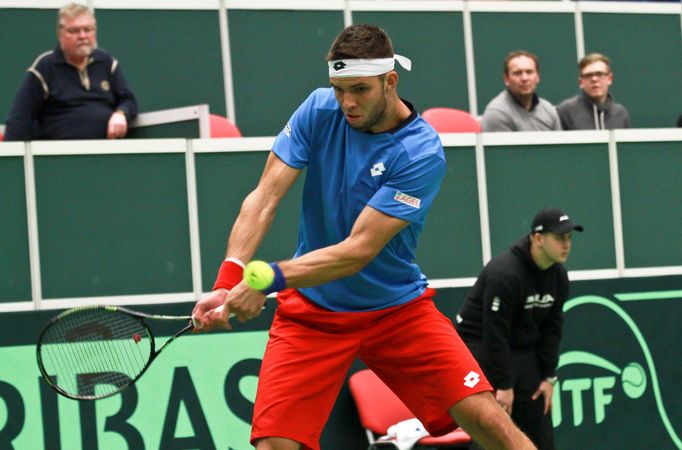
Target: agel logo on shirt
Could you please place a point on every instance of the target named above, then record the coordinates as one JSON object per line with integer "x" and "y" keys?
{"x": 407, "y": 199}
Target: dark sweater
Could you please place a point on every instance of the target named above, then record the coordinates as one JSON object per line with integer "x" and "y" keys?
{"x": 56, "y": 102}
{"x": 581, "y": 113}
{"x": 513, "y": 306}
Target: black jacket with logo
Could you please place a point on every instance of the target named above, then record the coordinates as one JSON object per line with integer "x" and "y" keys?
{"x": 514, "y": 305}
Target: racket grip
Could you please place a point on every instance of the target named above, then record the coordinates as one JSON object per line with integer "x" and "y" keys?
{"x": 219, "y": 309}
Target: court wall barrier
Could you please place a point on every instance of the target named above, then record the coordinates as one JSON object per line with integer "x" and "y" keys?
{"x": 143, "y": 223}
{"x": 141, "y": 219}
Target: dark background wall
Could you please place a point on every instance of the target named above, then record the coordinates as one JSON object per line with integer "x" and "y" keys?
{"x": 173, "y": 58}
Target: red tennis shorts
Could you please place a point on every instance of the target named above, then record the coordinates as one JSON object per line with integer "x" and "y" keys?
{"x": 413, "y": 348}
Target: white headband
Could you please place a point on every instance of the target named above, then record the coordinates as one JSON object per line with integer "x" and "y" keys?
{"x": 366, "y": 67}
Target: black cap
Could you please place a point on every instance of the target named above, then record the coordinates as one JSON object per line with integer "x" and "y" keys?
{"x": 554, "y": 221}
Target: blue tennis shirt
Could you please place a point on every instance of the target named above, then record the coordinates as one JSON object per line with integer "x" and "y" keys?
{"x": 397, "y": 172}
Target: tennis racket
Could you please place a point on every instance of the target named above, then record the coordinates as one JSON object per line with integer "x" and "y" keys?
{"x": 94, "y": 352}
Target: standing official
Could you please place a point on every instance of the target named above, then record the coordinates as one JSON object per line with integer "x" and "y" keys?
{"x": 512, "y": 322}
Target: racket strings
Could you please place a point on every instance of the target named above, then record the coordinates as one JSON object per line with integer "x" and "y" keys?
{"x": 95, "y": 352}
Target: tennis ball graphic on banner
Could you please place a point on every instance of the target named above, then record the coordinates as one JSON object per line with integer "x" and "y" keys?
{"x": 633, "y": 379}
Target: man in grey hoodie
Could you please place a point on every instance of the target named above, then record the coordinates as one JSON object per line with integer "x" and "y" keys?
{"x": 518, "y": 107}
{"x": 593, "y": 108}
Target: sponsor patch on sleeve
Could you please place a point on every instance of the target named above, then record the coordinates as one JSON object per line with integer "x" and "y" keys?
{"x": 408, "y": 199}
{"x": 287, "y": 129}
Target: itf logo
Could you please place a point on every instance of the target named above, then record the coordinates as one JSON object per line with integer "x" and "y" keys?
{"x": 615, "y": 383}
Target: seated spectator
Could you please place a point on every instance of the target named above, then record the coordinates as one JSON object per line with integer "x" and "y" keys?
{"x": 593, "y": 108}
{"x": 518, "y": 108}
{"x": 75, "y": 91}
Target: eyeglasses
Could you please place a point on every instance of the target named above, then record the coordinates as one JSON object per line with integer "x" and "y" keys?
{"x": 590, "y": 75}
{"x": 77, "y": 30}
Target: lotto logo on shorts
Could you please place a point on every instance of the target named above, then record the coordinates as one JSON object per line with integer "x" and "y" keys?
{"x": 471, "y": 379}
{"x": 408, "y": 199}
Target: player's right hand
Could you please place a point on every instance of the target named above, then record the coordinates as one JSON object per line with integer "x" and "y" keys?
{"x": 210, "y": 313}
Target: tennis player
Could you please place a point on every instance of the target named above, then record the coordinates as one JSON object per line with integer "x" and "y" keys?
{"x": 353, "y": 289}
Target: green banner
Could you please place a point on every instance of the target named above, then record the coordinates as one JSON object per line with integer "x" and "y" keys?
{"x": 198, "y": 394}
{"x": 619, "y": 378}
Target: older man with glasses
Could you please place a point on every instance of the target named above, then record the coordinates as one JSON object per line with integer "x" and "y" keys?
{"x": 75, "y": 91}
{"x": 594, "y": 108}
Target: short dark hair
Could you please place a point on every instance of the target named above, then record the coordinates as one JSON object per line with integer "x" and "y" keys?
{"x": 362, "y": 41}
{"x": 592, "y": 58}
{"x": 516, "y": 54}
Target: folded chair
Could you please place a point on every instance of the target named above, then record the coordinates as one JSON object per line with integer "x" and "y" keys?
{"x": 379, "y": 408}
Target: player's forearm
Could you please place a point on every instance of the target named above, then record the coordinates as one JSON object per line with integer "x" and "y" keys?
{"x": 254, "y": 220}
{"x": 326, "y": 264}
{"x": 258, "y": 209}
{"x": 370, "y": 234}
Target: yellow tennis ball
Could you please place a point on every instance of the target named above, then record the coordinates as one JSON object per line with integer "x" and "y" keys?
{"x": 258, "y": 275}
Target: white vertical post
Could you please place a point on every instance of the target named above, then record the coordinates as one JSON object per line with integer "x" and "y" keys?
{"x": 482, "y": 182}
{"x": 225, "y": 52}
{"x": 616, "y": 205}
{"x": 469, "y": 59}
{"x": 193, "y": 216}
{"x": 579, "y": 32}
{"x": 32, "y": 221}
{"x": 347, "y": 14}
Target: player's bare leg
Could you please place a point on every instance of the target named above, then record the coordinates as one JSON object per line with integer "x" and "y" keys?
{"x": 487, "y": 423}
{"x": 277, "y": 443}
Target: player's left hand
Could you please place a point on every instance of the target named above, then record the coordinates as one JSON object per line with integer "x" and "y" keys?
{"x": 118, "y": 126}
{"x": 546, "y": 390}
{"x": 245, "y": 303}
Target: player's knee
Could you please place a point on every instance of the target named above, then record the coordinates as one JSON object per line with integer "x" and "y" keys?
{"x": 479, "y": 411}
{"x": 277, "y": 443}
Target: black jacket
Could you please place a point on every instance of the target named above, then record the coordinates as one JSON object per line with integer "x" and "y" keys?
{"x": 54, "y": 101}
{"x": 514, "y": 305}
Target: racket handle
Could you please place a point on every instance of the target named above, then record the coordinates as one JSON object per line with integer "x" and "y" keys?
{"x": 219, "y": 309}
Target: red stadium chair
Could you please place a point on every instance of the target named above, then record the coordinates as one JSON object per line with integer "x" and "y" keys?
{"x": 451, "y": 120}
{"x": 222, "y": 127}
{"x": 379, "y": 408}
